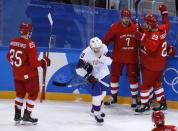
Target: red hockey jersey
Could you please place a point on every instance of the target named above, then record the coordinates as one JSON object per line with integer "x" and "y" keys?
{"x": 154, "y": 49}
{"x": 125, "y": 47}
{"x": 22, "y": 55}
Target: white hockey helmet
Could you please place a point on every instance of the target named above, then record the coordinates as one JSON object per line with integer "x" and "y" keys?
{"x": 95, "y": 42}
{"x": 95, "y": 45}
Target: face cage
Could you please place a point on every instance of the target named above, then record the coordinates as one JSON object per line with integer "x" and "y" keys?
{"x": 147, "y": 26}
{"x": 96, "y": 50}
{"x": 126, "y": 20}
{"x": 29, "y": 34}
{"x": 158, "y": 124}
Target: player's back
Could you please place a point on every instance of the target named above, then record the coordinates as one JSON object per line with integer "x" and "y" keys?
{"x": 18, "y": 56}
{"x": 17, "y": 49}
{"x": 165, "y": 128}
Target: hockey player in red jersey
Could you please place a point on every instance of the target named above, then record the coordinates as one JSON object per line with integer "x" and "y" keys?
{"x": 159, "y": 122}
{"x": 154, "y": 53}
{"x": 22, "y": 55}
{"x": 124, "y": 52}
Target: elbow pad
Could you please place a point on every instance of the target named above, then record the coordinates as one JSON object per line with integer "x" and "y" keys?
{"x": 85, "y": 65}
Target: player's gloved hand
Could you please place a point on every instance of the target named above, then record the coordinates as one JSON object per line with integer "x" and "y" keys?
{"x": 45, "y": 62}
{"x": 92, "y": 79}
{"x": 139, "y": 36}
{"x": 171, "y": 50}
{"x": 163, "y": 9}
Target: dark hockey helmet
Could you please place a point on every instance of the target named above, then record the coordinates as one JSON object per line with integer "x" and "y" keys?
{"x": 151, "y": 20}
{"x": 25, "y": 28}
{"x": 158, "y": 117}
{"x": 125, "y": 12}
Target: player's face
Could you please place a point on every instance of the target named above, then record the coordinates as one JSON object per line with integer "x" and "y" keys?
{"x": 126, "y": 21}
{"x": 159, "y": 124}
{"x": 147, "y": 26}
{"x": 29, "y": 35}
{"x": 97, "y": 51}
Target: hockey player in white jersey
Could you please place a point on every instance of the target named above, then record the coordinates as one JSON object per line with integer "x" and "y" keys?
{"x": 93, "y": 66}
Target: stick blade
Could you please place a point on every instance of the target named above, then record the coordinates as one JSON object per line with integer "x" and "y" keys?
{"x": 50, "y": 18}
{"x": 56, "y": 83}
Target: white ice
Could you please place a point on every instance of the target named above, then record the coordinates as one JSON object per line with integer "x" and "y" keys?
{"x": 75, "y": 116}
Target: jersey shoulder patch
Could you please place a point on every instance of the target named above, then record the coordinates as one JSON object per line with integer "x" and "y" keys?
{"x": 86, "y": 53}
{"x": 82, "y": 55}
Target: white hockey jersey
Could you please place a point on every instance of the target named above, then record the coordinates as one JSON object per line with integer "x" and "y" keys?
{"x": 100, "y": 65}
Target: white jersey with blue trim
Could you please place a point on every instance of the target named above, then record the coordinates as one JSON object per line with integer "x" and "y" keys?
{"x": 100, "y": 65}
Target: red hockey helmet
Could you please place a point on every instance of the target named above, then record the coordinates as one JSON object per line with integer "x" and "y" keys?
{"x": 125, "y": 12}
{"x": 158, "y": 117}
{"x": 151, "y": 20}
{"x": 25, "y": 28}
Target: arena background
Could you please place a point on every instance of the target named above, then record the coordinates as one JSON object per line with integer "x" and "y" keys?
{"x": 74, "y": 25}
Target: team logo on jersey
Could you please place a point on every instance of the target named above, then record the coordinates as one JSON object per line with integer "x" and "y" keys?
{"x": 171, "y": 78}
{"x": 32, "y": 45}
{"x": 154, "y": 37}
{"x": 96, "y": 62}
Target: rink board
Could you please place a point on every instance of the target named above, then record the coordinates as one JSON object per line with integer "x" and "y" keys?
{"x": 63, "y": 68}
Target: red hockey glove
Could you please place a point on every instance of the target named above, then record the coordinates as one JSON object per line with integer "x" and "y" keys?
{"x": 92, "y": 79}
{"x": 163, "y": 9}
{"x": 45, "y": 62}
{"x": 171, "y": 50}
{"x": 140, "y": 36}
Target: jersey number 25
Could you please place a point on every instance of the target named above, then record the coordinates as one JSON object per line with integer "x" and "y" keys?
{"x": 15, "y": 54}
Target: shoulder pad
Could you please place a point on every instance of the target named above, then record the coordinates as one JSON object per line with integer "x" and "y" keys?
{"x": 114, "y": 25}
{"x": 32, "y": 44}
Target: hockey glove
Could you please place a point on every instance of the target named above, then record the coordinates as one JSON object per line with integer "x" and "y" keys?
{"x": 45, "y": 62}
{"x": 163, "y": 9}
{"x": 171, "y": 50}
{"x": 91, "y": 79}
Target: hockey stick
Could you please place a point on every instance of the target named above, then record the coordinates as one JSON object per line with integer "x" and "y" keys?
{"x": 175, "y": 40}
{"x": 174, "y": 43}
{"x": 139, "y": 48}
{"x": 43, "y": 92}
{"x": 56, "y": 83}
{"x": 43, "y": 81}
{"x": 50, "y": 34}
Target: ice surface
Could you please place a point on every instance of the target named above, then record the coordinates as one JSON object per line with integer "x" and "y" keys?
{"x": 75, "y": 116}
